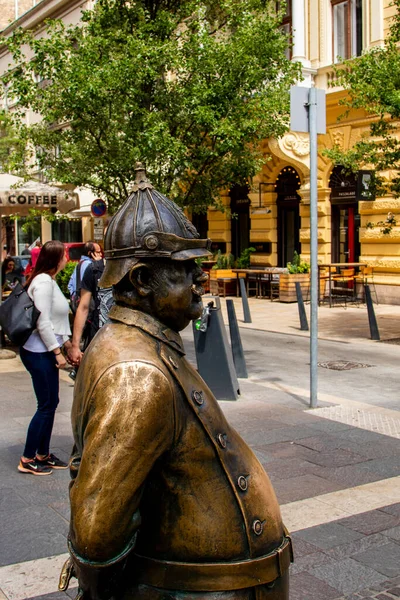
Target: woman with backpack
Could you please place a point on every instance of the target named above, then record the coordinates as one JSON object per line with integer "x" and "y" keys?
{"x": 42, "y": 357}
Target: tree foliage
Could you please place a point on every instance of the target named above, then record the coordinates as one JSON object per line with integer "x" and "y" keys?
{"x": 373, "y": 84}
{"x": 188, "y": 87}
{"x": 10, "y": 145}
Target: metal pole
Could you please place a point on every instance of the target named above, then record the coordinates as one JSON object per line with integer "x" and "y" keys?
{"x": 301, "y": 307}
{"x": 236, "y": 341}
{"x": 373, "y": 325}
{"x": 245, "y": 302}
{"x": 312, "y": 116}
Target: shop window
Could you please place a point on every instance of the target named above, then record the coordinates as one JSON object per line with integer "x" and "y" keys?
{"x": 347, "y": 28}
{"x": 67, "y": 230}
{"x": 29, "y": 230}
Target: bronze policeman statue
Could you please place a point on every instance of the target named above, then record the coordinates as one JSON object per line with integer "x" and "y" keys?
{"x": 167, "y": 501}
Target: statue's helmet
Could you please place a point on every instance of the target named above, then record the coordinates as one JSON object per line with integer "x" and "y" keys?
{"x": 148, "y": 225}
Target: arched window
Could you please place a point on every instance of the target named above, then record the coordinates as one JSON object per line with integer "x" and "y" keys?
{"x": 347, "y": 28}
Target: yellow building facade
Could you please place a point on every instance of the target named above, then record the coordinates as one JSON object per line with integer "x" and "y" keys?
{"x": 277, "y": 210}
{"x": 272, "y": 214}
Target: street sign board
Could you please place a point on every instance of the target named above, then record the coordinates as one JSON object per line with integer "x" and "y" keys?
{"x": 366, "y": 185}
{"x": 299, "y": 101}
{"x": 98, "y": 208}
{"x": 98, "y": 229}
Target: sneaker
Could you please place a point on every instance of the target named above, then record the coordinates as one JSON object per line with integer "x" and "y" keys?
{"x": 53, "y": 462}
{"x": 34, "y": 467}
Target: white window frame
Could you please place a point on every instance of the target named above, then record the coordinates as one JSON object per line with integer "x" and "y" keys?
{"x": 350, "y": 45}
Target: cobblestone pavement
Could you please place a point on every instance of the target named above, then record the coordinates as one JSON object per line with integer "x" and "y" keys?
{"x": 368, "y": 420}
{"x": 335, "y": 471}
{"x": 387, "y": 590}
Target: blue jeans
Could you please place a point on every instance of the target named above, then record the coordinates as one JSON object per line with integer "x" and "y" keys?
{"x": 45, "y": 378}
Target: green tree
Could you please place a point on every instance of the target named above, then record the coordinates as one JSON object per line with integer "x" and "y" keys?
{"x": 373, "y": 84}
{"x": 188, "y": 87}
{"x": 10, "y": 147}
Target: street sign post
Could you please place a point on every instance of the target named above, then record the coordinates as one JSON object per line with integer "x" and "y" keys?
{"x": 308, "y": 114}
{"x": 98, "y": 208}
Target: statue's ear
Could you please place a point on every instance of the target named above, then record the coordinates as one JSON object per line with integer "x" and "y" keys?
{"x": 139, "y": 276}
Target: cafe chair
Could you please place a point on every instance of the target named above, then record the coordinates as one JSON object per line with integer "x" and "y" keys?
{"x": 326, "y": 284}
{"x": 366, "y": 277}
{"x": 274, "y": 287}
{"x": 345, "y": 286}
{"x": 226, "y": 286}
{"x": 323, "y": 282}
{"x": 252, "y": 284}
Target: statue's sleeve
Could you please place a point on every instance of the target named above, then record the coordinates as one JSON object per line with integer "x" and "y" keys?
{"x": 129, "y": 424}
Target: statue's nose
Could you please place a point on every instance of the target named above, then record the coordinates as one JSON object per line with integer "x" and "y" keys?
{"x": 201, "y": 277}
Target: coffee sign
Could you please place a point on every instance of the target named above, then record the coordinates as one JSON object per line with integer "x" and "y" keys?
{"x": 19, "y": 197}
{"x": 31, "y": 200}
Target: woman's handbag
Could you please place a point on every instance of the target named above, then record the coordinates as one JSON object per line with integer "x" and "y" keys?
{"x": 18, "y": 316}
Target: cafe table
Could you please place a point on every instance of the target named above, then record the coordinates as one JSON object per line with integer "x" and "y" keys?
{"x": 259, "y": 274}
{"x": 336, "y": 266}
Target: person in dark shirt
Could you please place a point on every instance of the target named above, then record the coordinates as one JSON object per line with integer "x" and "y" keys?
{"x": 92, "y": 311}
{"x": 9, "y": 277}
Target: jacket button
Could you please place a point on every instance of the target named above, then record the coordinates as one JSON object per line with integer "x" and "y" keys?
{"x": 258, "y": 527}
{"x": 222, "y": 440}
{"x": 173, "y": 363}
{"x": 198, "y": 397}
{"x": 242, "y": 483}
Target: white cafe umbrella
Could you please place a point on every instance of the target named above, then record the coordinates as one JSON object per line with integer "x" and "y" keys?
{"x": 18, "y": 196}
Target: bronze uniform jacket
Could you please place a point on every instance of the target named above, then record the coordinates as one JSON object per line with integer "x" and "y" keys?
{"x": 157, "y": 470}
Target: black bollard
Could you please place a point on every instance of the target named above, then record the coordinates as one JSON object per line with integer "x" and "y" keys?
{"x": 302, "y": 310}
{"x": 214, "y": 357}
{"x": 236, "y": 342}
{"x": 245, "y": 302}
{"x": 373, "y": 325}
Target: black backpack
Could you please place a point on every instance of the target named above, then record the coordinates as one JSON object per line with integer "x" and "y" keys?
{"x": 102, "y": 303}
{"x": 76, "y": 297}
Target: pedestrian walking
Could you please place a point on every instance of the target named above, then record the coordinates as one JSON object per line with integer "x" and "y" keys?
{"x": 42, "y": 357}
{"x": 35, "y": 253}
{"x": 91, "y": 251}
{"x": 92, "y": 311}
{"x": 26, "y": 251}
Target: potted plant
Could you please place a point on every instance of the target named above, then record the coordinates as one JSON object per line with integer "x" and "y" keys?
{"x": 298, "y": 270}
{"x": 243, "y": 262}
{"x": 221, "y": 270}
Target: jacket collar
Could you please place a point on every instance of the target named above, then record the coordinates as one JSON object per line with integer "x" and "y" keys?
{"x": 150, "y": 325}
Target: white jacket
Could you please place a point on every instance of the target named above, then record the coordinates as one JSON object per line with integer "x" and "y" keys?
{"x": 54, "y": 308}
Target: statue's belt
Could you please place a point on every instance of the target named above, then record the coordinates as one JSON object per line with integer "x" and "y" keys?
{"x": 214, "y": 577}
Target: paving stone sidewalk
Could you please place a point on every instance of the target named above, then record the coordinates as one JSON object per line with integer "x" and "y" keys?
{"x": 308, "y": 456}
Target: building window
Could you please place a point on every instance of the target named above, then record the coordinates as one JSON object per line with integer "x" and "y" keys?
{"x": 347, "y": 28}
{"x": 286, "y": 8}
{"x": 67, "y": 230}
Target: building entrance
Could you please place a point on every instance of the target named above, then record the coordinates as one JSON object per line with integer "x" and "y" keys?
{"x": 345, "y": 217}
{"x": 288, "y": 202}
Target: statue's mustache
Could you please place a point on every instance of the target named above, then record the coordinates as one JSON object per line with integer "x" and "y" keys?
{"x": 198, "y": 290}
